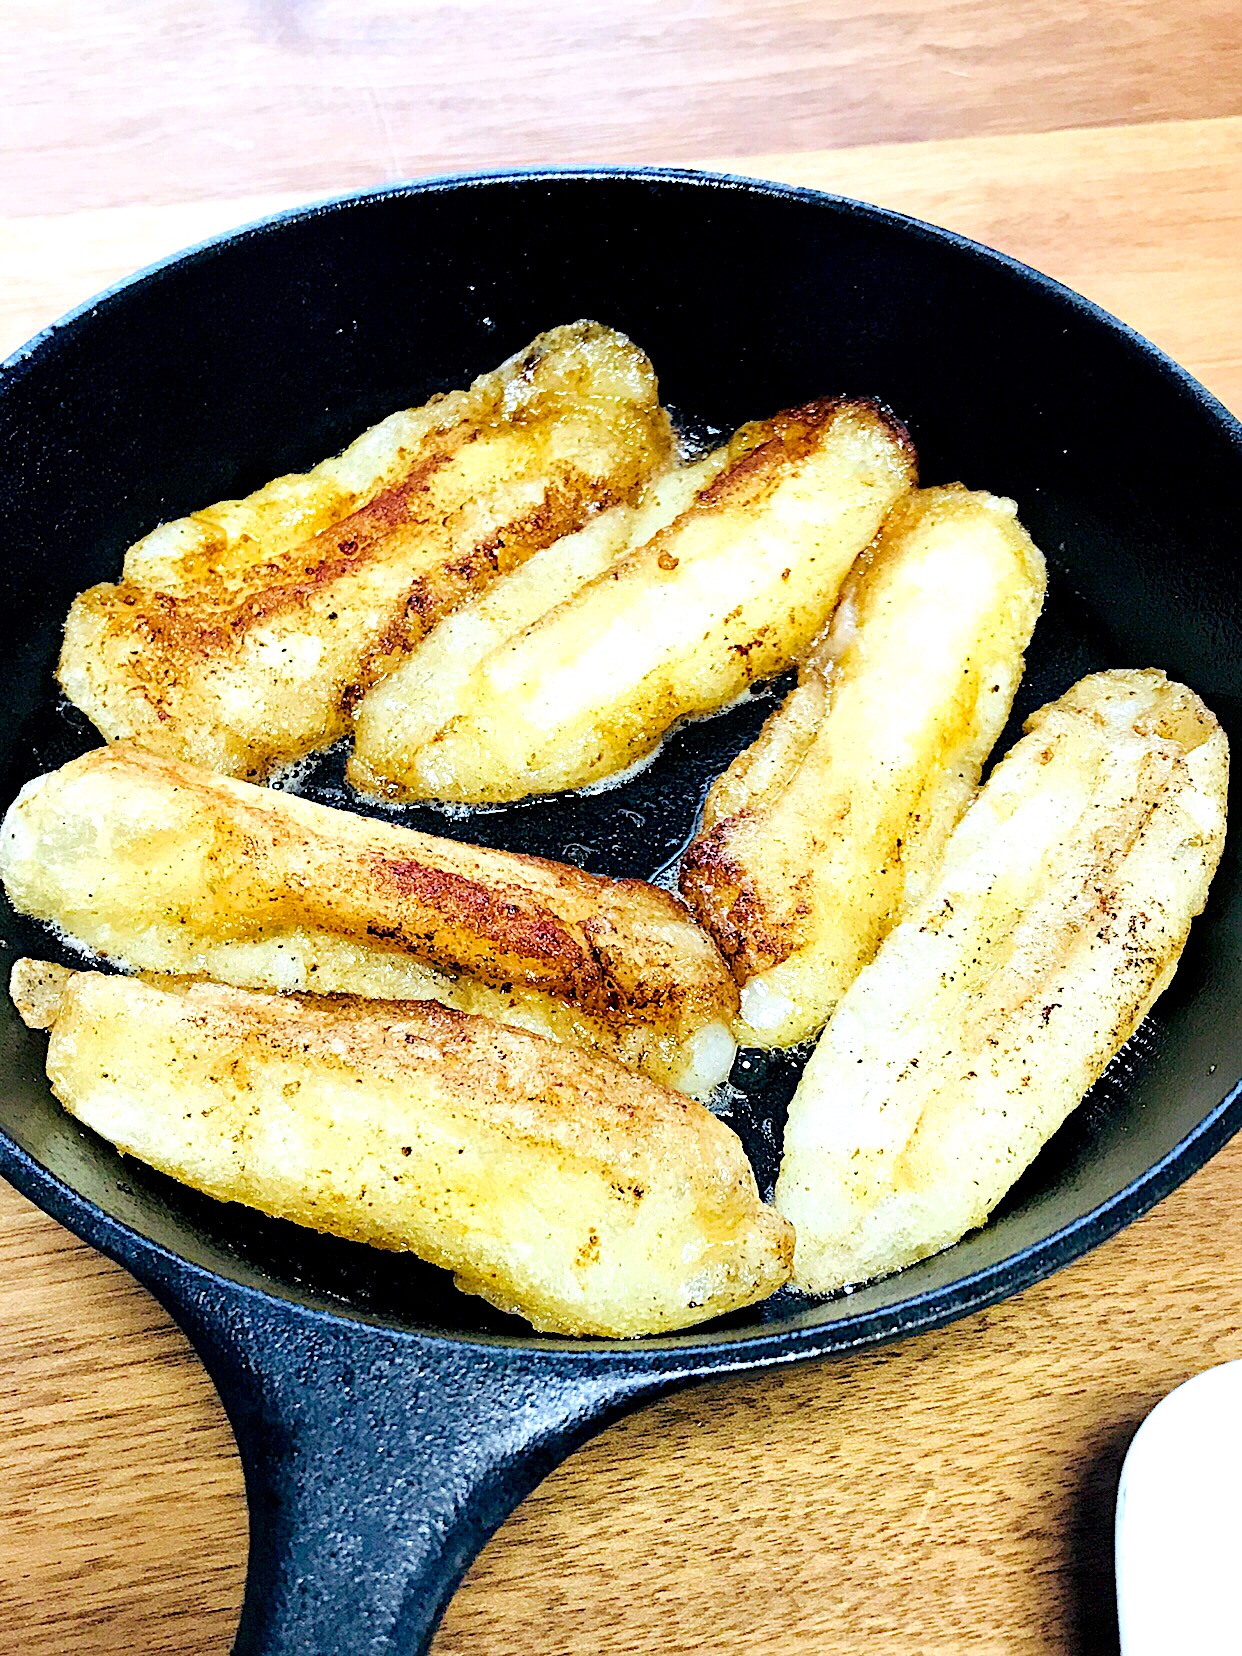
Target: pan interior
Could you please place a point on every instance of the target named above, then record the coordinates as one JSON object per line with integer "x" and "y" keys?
{"x": 266, "y": 352}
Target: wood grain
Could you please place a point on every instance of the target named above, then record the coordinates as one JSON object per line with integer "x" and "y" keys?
{"x": 122, "y": 1516}
{"x": 124, "y": 101}
{"x": 949, "y": 1496}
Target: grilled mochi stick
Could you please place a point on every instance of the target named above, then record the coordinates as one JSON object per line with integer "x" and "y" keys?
{"x": 1057, "y": 917}
{"x": 822, "y": 833}
{"x": 732, "y": 591}
{"x": 553, "y": 1184}
{"x": 239, "y": 637}
{"x": 161, "y": 866}
{"x": 435, "y": 683}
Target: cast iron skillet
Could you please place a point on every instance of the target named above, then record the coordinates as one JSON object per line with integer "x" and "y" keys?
{"x": 386, "y": 1423}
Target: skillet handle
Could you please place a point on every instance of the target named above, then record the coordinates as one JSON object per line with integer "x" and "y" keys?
{"x": 378, "y": 1463}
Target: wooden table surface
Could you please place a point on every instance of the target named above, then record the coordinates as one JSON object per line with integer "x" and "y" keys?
{"x": 950, "y": 1495}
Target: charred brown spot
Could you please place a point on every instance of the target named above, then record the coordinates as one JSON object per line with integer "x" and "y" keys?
{"x": 433, "y": 595}
{"x": 724, "y": 899}
{"x": 506, "y": 924}
{"x": 219, "y": 614}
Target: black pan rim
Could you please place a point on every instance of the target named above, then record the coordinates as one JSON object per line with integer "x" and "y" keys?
{"x": 692, "y": 1352}
{"x": 704, "y": 178}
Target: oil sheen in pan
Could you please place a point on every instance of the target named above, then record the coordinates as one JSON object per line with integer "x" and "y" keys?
{"x": 637, "y": 828}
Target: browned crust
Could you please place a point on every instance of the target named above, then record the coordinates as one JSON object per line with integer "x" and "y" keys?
{"x": 598, "y": 944}
{"x": 725, "y": 902}
{"x": 390, "y": 1033}
{"x": 766, "y": 446}
{"x": 166, "y": 665}
{"x": 176, "y": 631}
{"x": 431, "y": 597}
{"x": 423, "y": 900}
{"x": 221, "y": 611}
{"x": 620, "y": 950}
{"x": 527, "y": 1084}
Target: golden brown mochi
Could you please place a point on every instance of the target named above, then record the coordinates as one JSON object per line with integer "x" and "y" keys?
{"x": 1057, "y": 917}
{"x": 162, "y": 866}
{"x": 555, "y": 1185}
{"x": 817, "y": 838}
{"x": 732, "y": 591}
{"x": 240, "y": 637}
